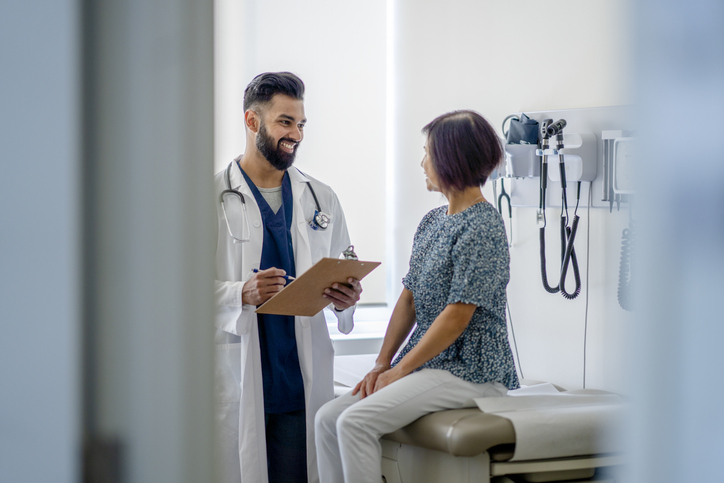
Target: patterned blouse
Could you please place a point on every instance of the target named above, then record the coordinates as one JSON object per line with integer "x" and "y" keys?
{"x": 464, "y": 258}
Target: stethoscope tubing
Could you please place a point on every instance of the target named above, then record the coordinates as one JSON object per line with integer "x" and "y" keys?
{"x": 320, "y": 220}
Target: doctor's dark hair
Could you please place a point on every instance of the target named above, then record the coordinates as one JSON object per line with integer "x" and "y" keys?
{"x": 265, "y": 86}
{"x": 463, "y": 148}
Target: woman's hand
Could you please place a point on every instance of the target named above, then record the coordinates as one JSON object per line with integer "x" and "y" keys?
{"x": 387, "y": 378}
{"x": 367, "y": 385}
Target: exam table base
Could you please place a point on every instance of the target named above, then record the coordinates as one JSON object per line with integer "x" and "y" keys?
{"x": 402, "y": 463}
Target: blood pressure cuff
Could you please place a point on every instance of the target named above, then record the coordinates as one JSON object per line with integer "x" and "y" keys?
{"x": 522, "y": 130}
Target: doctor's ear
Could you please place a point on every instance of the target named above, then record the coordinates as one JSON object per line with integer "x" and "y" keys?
{"x": 252, "y": 120}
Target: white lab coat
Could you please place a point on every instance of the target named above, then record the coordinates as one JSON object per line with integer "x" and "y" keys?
{"x": 240, "y": 408}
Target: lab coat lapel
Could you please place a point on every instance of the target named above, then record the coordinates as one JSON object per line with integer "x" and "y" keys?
{"x": 300, "y": 235}
{"x": 252, "y": 445}
{"x": 303, "y": 261}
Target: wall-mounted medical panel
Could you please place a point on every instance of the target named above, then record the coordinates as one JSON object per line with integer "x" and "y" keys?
{"x": 584, "y": 161}
{"x": 579, "y": 158}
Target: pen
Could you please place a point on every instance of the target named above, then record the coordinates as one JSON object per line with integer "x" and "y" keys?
{"x": 288, "y": 278}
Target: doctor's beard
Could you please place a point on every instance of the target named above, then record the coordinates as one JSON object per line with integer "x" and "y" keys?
{"x": 277, "y": 157}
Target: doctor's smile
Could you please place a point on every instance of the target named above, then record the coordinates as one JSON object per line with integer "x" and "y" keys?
{"x": 288, "y": 145}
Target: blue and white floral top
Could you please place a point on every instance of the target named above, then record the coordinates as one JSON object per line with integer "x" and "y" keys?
{"x": 464, "y": 258}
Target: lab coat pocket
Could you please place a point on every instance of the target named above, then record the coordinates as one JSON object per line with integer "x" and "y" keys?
{"x": 320, "y": 241}
{"x": 228, "y": 373}
{"x": 323, "y": 349}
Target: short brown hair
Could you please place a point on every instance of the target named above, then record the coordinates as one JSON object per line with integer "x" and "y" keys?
{"x": 463, "y": 148}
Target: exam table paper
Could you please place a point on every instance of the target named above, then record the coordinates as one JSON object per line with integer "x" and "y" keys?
{"x": 559, "y": 425}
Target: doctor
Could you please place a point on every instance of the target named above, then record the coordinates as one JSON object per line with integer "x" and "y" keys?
{"x": 273, "y": 372}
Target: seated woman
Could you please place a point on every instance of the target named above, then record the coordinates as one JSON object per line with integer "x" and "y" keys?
{"x": 454, "y": 292}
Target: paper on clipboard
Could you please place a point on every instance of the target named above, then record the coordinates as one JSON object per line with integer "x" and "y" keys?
{"x": 304, "y": 296}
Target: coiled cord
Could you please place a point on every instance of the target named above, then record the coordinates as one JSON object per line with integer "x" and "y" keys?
{"x": 570, "y": 256}
{"x": 546, "y": 286}
{"x": 625, "y": 300}
{"x": 571, "y": 252}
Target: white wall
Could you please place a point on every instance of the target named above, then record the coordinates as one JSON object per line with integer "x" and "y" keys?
{"x": 505, "y": 57}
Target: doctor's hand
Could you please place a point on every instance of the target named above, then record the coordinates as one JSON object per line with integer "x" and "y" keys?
{"x": 343, "y": 296}
{"x": 262, "y": 286}
{"x": 367, "y": 385}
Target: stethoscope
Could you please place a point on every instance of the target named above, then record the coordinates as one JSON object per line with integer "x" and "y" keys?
{"x": 320, "y": 220}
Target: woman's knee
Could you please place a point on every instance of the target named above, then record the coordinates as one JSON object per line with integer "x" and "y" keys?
{"x": 349, "y": 422}
{"x": 326, "y": 417}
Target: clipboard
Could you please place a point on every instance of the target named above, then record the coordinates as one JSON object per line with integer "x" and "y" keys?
{"x": 304, "y": 295}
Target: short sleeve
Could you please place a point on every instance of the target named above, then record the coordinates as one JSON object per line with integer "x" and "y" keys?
{"x": 408, "y": 281}
{"x": 480, "y": 265}
{"x": 420, "y": 245}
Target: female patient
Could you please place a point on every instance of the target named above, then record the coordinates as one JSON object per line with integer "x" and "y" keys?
{"x": 454, "y": 292}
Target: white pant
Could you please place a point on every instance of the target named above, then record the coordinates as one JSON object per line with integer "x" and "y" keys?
{"x": 348, "y": 430}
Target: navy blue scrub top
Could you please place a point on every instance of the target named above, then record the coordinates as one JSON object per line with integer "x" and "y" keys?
{"x": 281, "y": 374}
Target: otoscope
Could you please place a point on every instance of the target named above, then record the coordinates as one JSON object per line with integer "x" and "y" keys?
{"x": 556, "y": 129}
{"x": 544, "y": 165}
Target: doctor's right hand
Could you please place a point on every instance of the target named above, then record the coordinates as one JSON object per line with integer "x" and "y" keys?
{"x": 367, "y": 385}
{"x": 262, "y": 286}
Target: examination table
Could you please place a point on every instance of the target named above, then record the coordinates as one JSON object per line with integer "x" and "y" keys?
{"x": 472, "y": 446}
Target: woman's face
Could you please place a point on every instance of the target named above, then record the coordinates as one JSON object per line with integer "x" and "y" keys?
{"x": 431, "y": 179}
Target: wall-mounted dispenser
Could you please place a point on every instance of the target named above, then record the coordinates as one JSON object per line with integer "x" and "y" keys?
{"x": 623, "y": 166}
{"x": 521, "y": 161}
{"x": 618, "y": 155}
{"x": 621, "y": 158}
{"x": 519, "y": 145}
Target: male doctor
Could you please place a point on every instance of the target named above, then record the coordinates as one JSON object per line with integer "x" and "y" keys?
{"x": 273, "y": 372}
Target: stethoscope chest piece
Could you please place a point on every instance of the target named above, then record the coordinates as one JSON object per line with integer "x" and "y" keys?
{"x": 320, "y": 220}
